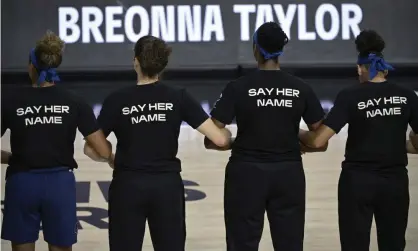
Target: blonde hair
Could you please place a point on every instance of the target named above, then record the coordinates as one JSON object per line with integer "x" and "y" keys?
{"x": 49, "y": 50}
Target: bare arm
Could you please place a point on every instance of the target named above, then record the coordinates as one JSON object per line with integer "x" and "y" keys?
{"x": 413, "y": 122}
{"x": 210, "y": 145}
{"x": 410, "y": 148}
{"x": 318, "y": 138}
{"x": 307, "y": 147}
{"x": 413, "y": 139}
{"x": 92, "y": 154}
{"x": 5, "y": 156}
{"x": 97, "y": 147}
{"x": 221, "y": 137}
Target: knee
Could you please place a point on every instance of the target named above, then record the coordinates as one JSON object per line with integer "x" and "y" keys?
{"x": 23, "y": 247}
{"x": 59, "y": 248}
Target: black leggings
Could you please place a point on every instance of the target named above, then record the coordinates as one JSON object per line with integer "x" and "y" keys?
{"x": 135, "y": 198}
{"x": 251, "y": 189}
{"x": 363, "y": 194}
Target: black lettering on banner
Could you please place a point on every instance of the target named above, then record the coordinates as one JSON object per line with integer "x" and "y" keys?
{"x": 97, "y": 217}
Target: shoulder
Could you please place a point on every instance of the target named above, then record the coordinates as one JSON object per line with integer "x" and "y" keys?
{"x": 172, "y": 92}
{"x": 403, "y": 89}
{"x": 163, "y": 86}
{"x": 410, "y": 95}
{"x": 239, "y": 83}
{"x": 10, "y": 91}
{"x": 247, "y": 78}
{"x": 12, "y": 97}
{"x": 351, "y": 90}
{"x": 294, "y": 79}
{"x": 120, "y": 95}
{"x": 297, "y": 82}
{"x": 70, "y": 96}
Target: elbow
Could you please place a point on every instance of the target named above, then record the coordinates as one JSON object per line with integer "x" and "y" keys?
{"x": 207, "y": 143}
{"x": 324, "y": 148}
{"x": 414, "y": 142}
{"x": 107, "y": 151}
{"x": 317, "y": 144}
{"x": 86, "y": 149}
{"x": 221, "y": 142}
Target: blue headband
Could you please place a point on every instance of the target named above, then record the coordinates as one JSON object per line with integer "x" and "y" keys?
{"x": 45, "y": 74}
{"x": 376, "y": 64}
{"x": 266, "y": 55}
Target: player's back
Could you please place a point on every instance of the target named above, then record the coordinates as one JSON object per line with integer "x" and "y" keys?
{"x": 268, "y": 108}
{"x": 378, "y": 117}
{"x": 43, "y": 124}
{"x": 146, "y": 120}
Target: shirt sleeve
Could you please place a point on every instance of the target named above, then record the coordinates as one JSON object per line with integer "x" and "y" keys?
{"x": 108, "y": 116}
{"x": 313, "y": 110}
{"x": 224, "y": 108}
{"x": 87, "y": 123}
{"x": 413, "y": 119}
{"x": 338, "y": 116}
{"x": 192, "y": 112}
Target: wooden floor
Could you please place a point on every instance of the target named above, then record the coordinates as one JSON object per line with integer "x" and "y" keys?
{"x": 205, "y": 216}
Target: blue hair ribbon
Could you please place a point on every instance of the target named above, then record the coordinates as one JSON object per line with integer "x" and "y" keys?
{"x": 266, "y": 55}
{"x": 376, "y": 64}
{"x": 45, "y": 74}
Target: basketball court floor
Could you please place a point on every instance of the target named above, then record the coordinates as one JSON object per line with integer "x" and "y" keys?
{"x": 203, "y": 174}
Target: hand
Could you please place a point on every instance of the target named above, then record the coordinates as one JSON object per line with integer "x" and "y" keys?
{"x": 111, "y": 161}
{"x": 5, "y": 157}
{"x": 411, "y": 134}
{"x": 302, "y": 147}
{"x": 227, "y": 132}
{"x": 302, "y": 131}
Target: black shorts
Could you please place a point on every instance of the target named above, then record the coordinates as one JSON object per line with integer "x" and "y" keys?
{"x": 158, "y": 198}
{"x": 251, "y": 189}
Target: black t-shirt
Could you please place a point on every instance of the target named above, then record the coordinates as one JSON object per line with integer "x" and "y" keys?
{"x": 43, "y": 124}
{"x": 377, "y": 115}
{"x": 146, "y": 120}
{"x": 268, "y": 107}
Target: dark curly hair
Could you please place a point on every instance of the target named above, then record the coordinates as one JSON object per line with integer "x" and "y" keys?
{"x": 369, "y": 41}
{"x": 271, "y": 37}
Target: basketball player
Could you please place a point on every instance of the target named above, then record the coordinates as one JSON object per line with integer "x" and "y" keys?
{"x": 147, "y": 185}
{"x": 265, "y": 170}
{"x": 40, "y": 185}
{"x": 374, "y": 179}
